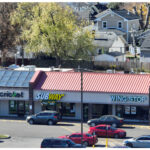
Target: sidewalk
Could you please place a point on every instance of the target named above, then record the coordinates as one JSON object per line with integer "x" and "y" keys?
{"x": 12, "y": 118}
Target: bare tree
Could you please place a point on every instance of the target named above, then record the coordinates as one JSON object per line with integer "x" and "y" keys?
{"x": 7, "y": 31}
{"x": 147, "y": 16}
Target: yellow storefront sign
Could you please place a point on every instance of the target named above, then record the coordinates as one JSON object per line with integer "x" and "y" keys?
{"x": 49, "y": 96}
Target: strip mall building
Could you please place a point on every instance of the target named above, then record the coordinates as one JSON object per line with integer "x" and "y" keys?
{"x": 124, "y": 95}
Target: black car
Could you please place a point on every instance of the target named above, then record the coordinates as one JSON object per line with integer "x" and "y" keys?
{"x": 59, "y": 143}
{"x": 107, "y": 119}
{"x": 44, "y": 117}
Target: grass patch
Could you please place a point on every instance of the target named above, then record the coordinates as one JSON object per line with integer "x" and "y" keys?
{"x": 4, "y": 136}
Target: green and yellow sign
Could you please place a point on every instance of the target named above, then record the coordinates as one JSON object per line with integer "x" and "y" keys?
{"x": 47, "y": 98}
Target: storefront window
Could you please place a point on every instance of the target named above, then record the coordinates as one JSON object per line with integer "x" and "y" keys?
{"x": 99, "y": 110}
{"x": 12, "y": 107}
{"x": 132, "y": 112}
{"x": 68, "y": 109}
{"x": 27, "y": 108}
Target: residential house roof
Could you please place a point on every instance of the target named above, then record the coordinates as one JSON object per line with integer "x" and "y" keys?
{"x": 106, "y": 39}
{"x": 146, "y": 44}
{"x": 126, "y": 14}
{"x": 115, "y": 54}
{"x": 112, "y": 30}
{"x": 123, "y": 13}
{"x": 94, "y": 82}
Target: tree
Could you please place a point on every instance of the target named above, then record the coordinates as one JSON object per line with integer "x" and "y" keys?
{"x": 114, "y": 5}
{"x": 7, "y": 31}
{"x": 52, "y": 29}
{"x": 140, "y": 9}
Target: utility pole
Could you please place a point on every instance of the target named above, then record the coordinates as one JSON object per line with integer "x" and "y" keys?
{"x": 149, "y": 108}
{"x": 81, "y": 107}
{"x": 134, "y": 46}
{"x": 81, "y": 102}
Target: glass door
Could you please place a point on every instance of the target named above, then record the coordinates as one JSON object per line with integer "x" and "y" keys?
{"x": 85, "y": 112}
{"x": 21, "y": 108}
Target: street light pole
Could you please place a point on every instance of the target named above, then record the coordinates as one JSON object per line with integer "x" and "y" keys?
{"x": 149, "y": 108}
{"x": 81, "y": 107}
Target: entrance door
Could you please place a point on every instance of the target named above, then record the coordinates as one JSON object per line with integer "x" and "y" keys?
{"x": 85, "y": 112}
{"x": 21, "y": 108}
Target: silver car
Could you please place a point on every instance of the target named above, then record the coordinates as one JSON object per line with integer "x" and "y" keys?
{"x": 140, "y": 142}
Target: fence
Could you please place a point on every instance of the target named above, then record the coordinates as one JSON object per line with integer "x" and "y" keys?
{"x": 126, "y": 66}
{"x": 97, "y": 65}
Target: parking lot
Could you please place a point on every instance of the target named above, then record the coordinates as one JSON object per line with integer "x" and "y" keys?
{"x": 24, "y": 135}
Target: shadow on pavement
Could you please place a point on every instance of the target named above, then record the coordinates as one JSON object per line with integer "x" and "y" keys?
{"x": 59, "y": 124}
{"x": 128, "y": 137}
{"x": 127, "y": 127}
{"x": 64, "y": 124}
{"x": 1, "y": 141}
{"x": 99, "y": 145}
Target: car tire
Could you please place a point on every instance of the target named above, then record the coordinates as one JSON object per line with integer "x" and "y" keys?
{"x": 129, "y": 145}
{"x": 50, "y": 122}
{"x": 114, "y": 125}
{"x": 31, "y": 121}
{"x": 85, "y": 143}
{"x": 116, "y": 136}
{"x": 92, "y": 124}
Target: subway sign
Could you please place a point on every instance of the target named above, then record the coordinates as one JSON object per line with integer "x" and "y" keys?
{"x": 128, "y": 99}
{"x": 49, "y": 96}
{"x": 11, "y": 94}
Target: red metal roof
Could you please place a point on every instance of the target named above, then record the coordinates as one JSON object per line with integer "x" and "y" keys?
{"x": 34, "y": 77}
{"x": 95, "y": 82}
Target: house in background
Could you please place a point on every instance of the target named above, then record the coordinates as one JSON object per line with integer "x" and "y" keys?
{"x": 145, "y": 50}
{"x": 111, "y": 57}
{"x": 121, "y": 20}
{"x": 110, "y": 42}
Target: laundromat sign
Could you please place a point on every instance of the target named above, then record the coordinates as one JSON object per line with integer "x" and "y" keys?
{"x": 128, "y": 99}
{"x": 49, "y": 96}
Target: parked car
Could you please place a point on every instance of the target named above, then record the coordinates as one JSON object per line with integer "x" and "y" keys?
{"x": 88, "y": 139}
{"x": 107, "y": 119}
{"x": 107, "y": 131}
{"x": 44, "y": 117}
{"x": 139, "y": 142}
{"x": 59, "y": 143}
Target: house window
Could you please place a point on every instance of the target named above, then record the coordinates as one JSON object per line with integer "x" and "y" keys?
{"x": 119, "y": 25}
{"x": 104, "y": 24}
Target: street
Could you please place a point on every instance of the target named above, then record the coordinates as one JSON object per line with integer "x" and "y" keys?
{"x": 24, "y": 135}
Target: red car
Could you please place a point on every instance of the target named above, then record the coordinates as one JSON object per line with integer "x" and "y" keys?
{"x": 88, "y": 139}
{"x": 107, "y": 131}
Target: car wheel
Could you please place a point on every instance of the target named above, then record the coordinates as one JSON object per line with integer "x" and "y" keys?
{"x": 50, "y": 122}
{"x": 92, "y": 124}
{"x": 116, "y": 136}
{"x": 114, "y": 125}
{"x": 129, "y": 145}
{"x": 31, "y": 121}
{"x": 85, "y": 143}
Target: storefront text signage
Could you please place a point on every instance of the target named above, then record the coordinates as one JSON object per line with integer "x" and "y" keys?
{"x": 127, "y": 99}
{"x": 11, "y": 94}
{"x": 49, "y": 96}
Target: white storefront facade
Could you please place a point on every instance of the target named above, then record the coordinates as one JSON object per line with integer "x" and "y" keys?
{"x": 95, "y": 104}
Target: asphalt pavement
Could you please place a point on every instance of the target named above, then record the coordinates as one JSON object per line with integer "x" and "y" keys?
{"x": 24, "y": 135}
